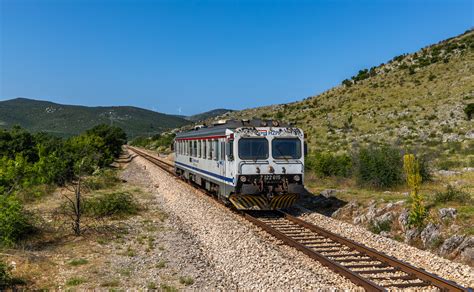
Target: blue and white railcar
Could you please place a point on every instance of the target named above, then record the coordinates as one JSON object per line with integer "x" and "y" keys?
{"x": 254, "y": 164}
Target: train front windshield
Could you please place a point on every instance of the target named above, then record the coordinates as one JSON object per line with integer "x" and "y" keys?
{"x": 286, "y": 148}
{"x": 253, "y": 148}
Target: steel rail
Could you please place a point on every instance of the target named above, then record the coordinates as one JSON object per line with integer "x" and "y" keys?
{"x": 389, "y": 264}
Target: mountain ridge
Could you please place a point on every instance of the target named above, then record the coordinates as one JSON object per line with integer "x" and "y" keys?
{"x": 67, "y": 120}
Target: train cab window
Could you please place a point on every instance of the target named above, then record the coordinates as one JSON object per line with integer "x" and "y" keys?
{"x": 286, "y": 148}
{"x": 253, "y": 148}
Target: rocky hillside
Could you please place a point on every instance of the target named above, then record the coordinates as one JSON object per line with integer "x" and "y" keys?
{"x": 208, "y": 115}
{"x": 68, "y": 120}
{"x": 414, "y": 100}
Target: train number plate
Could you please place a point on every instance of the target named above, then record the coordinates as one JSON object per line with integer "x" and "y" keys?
{"x": 271, "y": 178}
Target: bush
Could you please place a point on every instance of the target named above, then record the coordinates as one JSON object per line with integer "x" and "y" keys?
{"x": 448, "y": 164}
{"x": 329, "y": 164}
{"x": 469, "y": 110}
{"x": 452, "y": 194}
{"x": 111, "y": 204}
{"x": 378, "y": 227}
{"x": 379, "y": 167}
{"x": 14, "y": 222}
{"x": 105, "y": 178}
{"x": 5, "y": 275}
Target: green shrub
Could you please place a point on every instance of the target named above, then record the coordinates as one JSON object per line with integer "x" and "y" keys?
{"x": 75, "y": 281}
{"x": 452, "y": 194}
{"x": 469, "y": 110}
{"x": 377, "y": 227}
{"x": 111, "y": 204}
{"x": 186, "y": 280}
{"x": 105, "y": 178}
{"x": 379, "y": 167}
{"x": 5, "y": 275}
{"x": 329, "y": 164}
{"x": 14, "y": 222}
{"x": 448, "y": 164}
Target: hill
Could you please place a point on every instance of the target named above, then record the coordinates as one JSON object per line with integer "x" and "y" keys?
{"x": 208, "y": 115}
{"x": 415, "y": 100}
{"x": 67, "y": 120}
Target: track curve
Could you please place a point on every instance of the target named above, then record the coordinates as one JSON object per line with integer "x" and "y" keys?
{"x": 364, "y": 266}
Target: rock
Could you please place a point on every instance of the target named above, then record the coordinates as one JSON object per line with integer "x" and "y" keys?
{"x": 328, "y": 193}
{"x": 336, "y": 213}
{"x": 469, "y": 135}
{"x": 385, "y": 234}
{"x": 451, "y": 137}
{"x": 466, "y": 250}
{"x": 447, "y": 172}
{"x": 468, "y": 169}
{"x": 359, "y": 219}
{"x": 387, "y": 217}
{"x": 451, "y": 244}
{"x": 411, "y": 235}
{"x": 447, "y": 213}
{"x": 403, "y": 219}
{"x": 430, "y": 235}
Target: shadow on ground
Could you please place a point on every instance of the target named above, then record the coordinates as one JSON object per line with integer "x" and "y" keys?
{"x": 323, "y": 204}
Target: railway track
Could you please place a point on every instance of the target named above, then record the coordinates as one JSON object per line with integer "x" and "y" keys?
{"x": 364, "y": 266}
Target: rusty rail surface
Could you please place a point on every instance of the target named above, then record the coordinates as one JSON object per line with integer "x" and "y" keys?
{"x": 364, "y": 266}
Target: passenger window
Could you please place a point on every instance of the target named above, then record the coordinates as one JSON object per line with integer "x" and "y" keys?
{"x": 216, "y": 150}
{"x": 222, "y": 147}
{"x": 204, "y": 149}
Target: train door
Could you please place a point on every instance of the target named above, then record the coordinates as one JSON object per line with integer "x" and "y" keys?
{"x": 221, "y": 158}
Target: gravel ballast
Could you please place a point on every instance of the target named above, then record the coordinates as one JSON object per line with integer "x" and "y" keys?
{"x": 459, "y": 273}
{"x": 241, "y": 254}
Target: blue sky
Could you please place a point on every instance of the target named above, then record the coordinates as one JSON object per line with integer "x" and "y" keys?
{"x": 200, "y": 55}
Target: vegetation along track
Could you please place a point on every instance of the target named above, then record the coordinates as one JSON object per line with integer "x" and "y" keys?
{"x": 373, "y": 270}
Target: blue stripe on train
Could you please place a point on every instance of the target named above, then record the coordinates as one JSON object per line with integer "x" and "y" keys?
{"x": 228, "y": 179}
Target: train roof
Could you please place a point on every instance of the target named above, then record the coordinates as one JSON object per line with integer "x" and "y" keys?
{"x": 219, "y": 129}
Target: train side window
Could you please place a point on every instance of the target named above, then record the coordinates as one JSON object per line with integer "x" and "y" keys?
{"x": 204, "y": 148}
{"x": 209, "y": 153}
{"x": 222, "y": 152}
{"x": 190, "y": 146}
{"x": 198, "y": 149}
{"x": 216, "y": 150}
{"x": 211, "y": 150}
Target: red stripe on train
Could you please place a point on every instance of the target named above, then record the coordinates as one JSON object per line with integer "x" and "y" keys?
{"x": 200, "y": 138}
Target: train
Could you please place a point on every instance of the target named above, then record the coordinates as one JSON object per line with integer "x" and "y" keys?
{"x": 252, "y": 164}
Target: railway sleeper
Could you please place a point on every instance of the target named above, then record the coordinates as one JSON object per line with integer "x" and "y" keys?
{"x": 376, "y": 265}
{"x": 375, "y": 271}
{"x": 408, "y": 285}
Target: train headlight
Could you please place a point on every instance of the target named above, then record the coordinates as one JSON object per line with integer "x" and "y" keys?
{"x": 243, "y": 179}
{"x": 296, "y": 178}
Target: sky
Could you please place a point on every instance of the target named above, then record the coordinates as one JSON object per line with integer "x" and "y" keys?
{"x": 186, "y": 57}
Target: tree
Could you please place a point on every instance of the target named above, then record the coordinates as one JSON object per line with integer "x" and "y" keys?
{"x": 114, "y": 137}
{"x": 82, "y": 167}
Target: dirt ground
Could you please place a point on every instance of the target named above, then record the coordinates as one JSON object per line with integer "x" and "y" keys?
{"x": 148, "y": 250}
